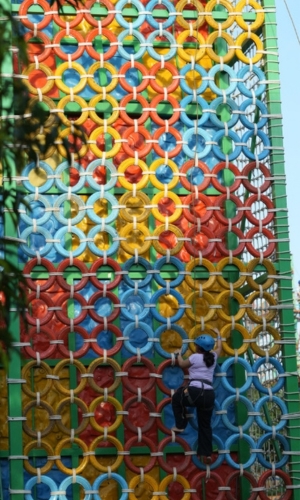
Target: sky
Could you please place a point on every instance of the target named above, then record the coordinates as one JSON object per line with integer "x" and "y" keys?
{"x": 289, "y": 65}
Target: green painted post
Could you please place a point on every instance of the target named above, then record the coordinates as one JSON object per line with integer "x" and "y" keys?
{"x": 285, "y": 286}
{"x": 14, "y": 370}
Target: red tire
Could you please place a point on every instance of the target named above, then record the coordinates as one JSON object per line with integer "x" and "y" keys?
{"x": 39, "y": 262}
{"x": 199, "y": 242}
{"x": 260, "y": 253}
{"x": 280, "y": 473}
{"x": 99, "y": 350}
{"x": 247, "y": 183}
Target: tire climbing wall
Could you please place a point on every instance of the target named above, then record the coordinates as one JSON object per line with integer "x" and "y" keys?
{"x": 166, "y": 218}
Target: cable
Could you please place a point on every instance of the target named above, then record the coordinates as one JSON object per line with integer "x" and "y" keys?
{"x": 291, "y": 18}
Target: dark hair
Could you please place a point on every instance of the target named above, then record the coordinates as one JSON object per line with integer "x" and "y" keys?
{"x": 208, "y": 357}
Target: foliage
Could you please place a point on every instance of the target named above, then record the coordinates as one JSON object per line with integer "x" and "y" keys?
{"x": 23, "y": 139}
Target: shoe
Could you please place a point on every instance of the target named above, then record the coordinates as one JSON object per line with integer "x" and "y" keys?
{"x": 175, "y": 429}
{"x": 207, "y": 460}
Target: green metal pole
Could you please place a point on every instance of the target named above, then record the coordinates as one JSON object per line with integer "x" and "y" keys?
{"x": 14, "y": 369}
{"x": 285, "y": 286}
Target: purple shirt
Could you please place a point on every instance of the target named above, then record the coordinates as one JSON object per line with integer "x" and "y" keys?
{"x": 198, "y": 369}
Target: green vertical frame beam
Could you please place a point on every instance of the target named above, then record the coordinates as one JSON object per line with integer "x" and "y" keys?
{"x": 16, "y": 482}
{"x": 285, "y": 286}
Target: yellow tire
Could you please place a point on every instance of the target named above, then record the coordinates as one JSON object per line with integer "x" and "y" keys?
{"x": 122, "y": 178}
{"x": 149, "y": 480}
{"x": 197, "y": 283}
{"x": 104, "y": 468}
{"x": 41, "y": 366}
{"x": 57, "y": 371}
{"x": 152, "y": 171}
{"x": 83, "y": 105}
{"x": 38, "y": 445}
{"x": 223, "y": 307}
{"x": 84, "y": 410}
{"x": 239, "y": 48}
{"x": 234, "y": 261}
{"x": 260, "y": 15}
{"x": 35, "y": 101}
{"x": 157, "y": 244}
{"x": 199, "y": 51}
{"x": 209, "y": 7}
{"x": 267, "y": 297}
{"x": 68, "y": 132}
{"x": 132, "y": 207}
{"x": 97, "y": 66}
{"x": 101, "y": 131}
{"x": 46, "y": 407}
{"x": 212, "y": 54}
{"x": 155, "y": 210}
{"x": 226, "y": 335}
{"x": 85, "y": 460}
{"x": 135, "y": 238}
{"x": 61, "y": 68}
{"x": 180, "y": 6}
{"x": 119, "y": 417}
{"x": 202, "y": 308}
{"x": 101, "y": 361}
{"x": 270, "y": 269}
{"x": 46, "y": 70}
{"x": 170, "y": 479}
{"x": 258, "y": 349}
{"x": 198, "y": 330}
{"x": 93, "y": 114}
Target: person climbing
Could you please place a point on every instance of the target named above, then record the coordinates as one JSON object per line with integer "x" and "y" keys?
{"x": 199, "y": 392}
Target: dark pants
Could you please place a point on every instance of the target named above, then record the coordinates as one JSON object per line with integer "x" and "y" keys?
{"x": 204, "y": 403}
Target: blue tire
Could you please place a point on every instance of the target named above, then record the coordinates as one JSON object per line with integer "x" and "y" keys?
{"x": 211, "y": 81}
{"x": 79, "y": 480}
{"x": 49, "y": 182}
{"x": 110, "y": 167}
{"x": 213, "y": 115}
{"x": 242, "y": 399}
{"x": 152, "y": 53}
{"x": 134, "y": 302}
{"x": 265, "y": 140}
{"x": 202, "y": 136}
{"x": 59, "y": 214}
{"x": 174, "y": 262}
{"x": 140, "y": 19}
{"x": 258, "y": 385}
{"x": 43, "y": 479}
{"x": 123, "y": 53}
{"x": 60, "y": 233}
{"x": 165, "y": 24}
{"x": 43, "y": 250}
{"x": 177, "y": 315}
{"x": 203, "y": 105}
{"x": 261, "y": 78}
{"x": 184, "y": 86}
{"x": 160, "y": 330}
{"x": 283, "y": 441}
{"x": 93, "y": 247}
{"x": 216, "y": 147}
{"x": 218, "y": 462}
{"x": 227, "y": 364}
{"x": 111, "y": 200}
{"x": 138, "y": 350}
{"x": 65, "y": 167}
{"x": 230, "y": 441}
{"x": 263, "y": 425}
{"x": 139, "y": 261}
{"x": 263, "y": 109}
{"x": 104, "y": 477}
{"x": 28, "y": 201}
